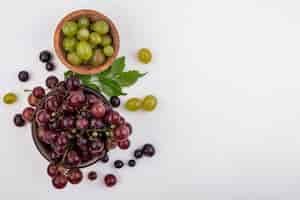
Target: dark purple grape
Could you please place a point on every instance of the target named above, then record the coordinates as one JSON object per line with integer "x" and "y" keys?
{"x": 118, "y": 164}
{"x": 122, "y": 121}
{"x": 96, "y": 147}
{"x": 51, "y": 103}
{"x": 45, "y": 56}
{"x": 76, "y": 99}
{"x": 62, "y": 140}
{"x": 148, "y": 150}
{"x": 28, "y": 114}
{"x": 110, "y": 180}
{"x": 92, "y": 99}
{"x": 72, "y": 83}
{"x": 32, "y": 100}
{"x": 97, "y": 124}
{"x": 82, "y": 143}
{"x": 82, "y": 123}
{"x": 73, "y": 158}
{"x": 105, "y": 158}
{"x": 42, "y": 117}
{"x": 131, "y": 163}
{"x": 98, "y": 110}
{"x": 18, "y": 120}
{"x": 38, "y": 92}
{"x": 75, "y": 176}
{"x": 125, "y": 144}
{"x": 121, "y": 133}
{"x": 113, "y": 117}
{"x": 68, "y": 122}
{"x": 23, "y": 76}
{"x": 54, "y": 126}
{"x": 52, "y": 170}
{"x": 115, "y": 101}
{"x": 138, "y": 153}
{"x": 51, "y": 82}
{"x": 92, "y": 175}
{"x": 50, "y": 66}
{"x": 60, "y": 181}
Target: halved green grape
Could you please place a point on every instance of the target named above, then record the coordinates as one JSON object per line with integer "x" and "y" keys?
{"x": 69, "y": 44}
{"x": 83, "y": 22}
{"x": 83, "y": 34}
{"x": 95, "y": 38}
{"x": 108, "y": 51}
{"x": 144, "y": 55}
{"x": 74, "y": 59}
{"x": 84, "y": 50}
{"x": 98, "y": 58}
{"x": 10, "y": 98}
{"x": 70, "y": 28}
{"x": 106, "y": 40}
{"x": 149, "y": 103}
{"x": 100, "y": 27}
{"x": 134, "y": 104}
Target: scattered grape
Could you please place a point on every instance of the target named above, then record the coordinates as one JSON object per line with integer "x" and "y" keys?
{"x": 134, "y": 104}
{"x": 10, "y": 98}
{"x": 144, "y": 55}
{"x": 23, "y": 76}
{"x": 45, "y": 56}
{"x": 149, "y": 103}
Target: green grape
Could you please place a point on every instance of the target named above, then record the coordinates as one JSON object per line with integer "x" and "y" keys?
{"x": 106, "y": 40}
{"x": 83, "y": 22}
{"x": 70, "y": 28}
{"x": 149, "y": 103}
{"x": 98, "y": 58}
{"x": 108, "y": 51}
{"x": 73, "y": 58}
{"x": 144, "y": 55}
{"x": 95, "y": 38}
{"x": 100, "y": 27}
{"x": 83, "y": 34}
{"x": 69, "y": 44}
{"x": 10, "y": 98}
{"x": 134, "y": 104}
{"x": 84, "y": 50}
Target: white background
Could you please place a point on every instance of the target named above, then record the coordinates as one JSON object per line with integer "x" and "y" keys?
{"x": 226, "y": 74}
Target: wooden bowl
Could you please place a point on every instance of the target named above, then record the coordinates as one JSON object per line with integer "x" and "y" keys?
{"x": 93, "y": 16}
{"x": 44, "y": 149}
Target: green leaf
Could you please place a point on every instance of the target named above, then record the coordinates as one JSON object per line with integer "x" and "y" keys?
{"x": 111, "y": 87}
{"x": 84, "y": 78}
{"x": 92, "y": 86}
{"x": 129, "y": 78}
{"x": 67, "y": 74}
{"x": 115, "y": 69}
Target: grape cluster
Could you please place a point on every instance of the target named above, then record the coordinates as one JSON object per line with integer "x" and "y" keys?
{"x": 75, "y": 126}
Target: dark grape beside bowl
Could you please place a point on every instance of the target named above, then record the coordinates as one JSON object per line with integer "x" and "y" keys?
{"x": 44, "y": 149}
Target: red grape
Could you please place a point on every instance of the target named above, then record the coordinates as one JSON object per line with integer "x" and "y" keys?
{"x": 92, "y": 99}
{"x": 32, "y": 100}
{"x": 42, "y": 117}
{"x": 110, "y": 180}
{"x": 98, "y": 110}
{"x": 72, "y": 83}
{"x": 73, "y": 158}
{"x": 97, "y": 124}
{"x": 75, "y": 176}
{"x": 76, "y": 99}
{"x": 121, "y": 133}
{"x": 125, "y": 144}
{"x": 82, "y": 123}
{"x": 38, "y": 92}
{"x": 28, "y": 114}
{"x": 62, "y": 140}
{"x": 52, "y": 170}
{"x": 51, "y": 103}
{"x": 67, "y": 122}
{"x": 96, "y": 147}
{"x": 113, "y": 117}
{"x": 60, "y": 181}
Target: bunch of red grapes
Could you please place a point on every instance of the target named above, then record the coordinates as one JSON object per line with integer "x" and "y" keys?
{"x": 75, "y": 126}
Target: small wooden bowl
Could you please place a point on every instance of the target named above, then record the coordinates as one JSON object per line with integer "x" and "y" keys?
{"x": 93, "y": 16}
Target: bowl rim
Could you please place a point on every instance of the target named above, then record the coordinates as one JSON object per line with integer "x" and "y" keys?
{"x": 88, "y": 70}
{"x": 40, "y": 146}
